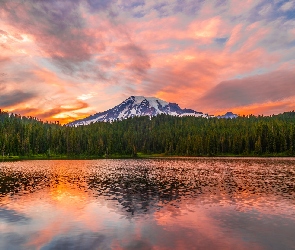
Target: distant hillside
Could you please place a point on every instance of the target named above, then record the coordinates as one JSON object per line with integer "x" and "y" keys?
{"x": 162, "y": 134}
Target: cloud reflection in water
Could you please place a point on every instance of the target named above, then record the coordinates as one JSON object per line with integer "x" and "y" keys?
{"x": 145, "y": 204}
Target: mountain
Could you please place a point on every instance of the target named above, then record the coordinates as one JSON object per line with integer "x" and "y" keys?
{"x": 228, "y": 115}
{"x": 138, "y": 106}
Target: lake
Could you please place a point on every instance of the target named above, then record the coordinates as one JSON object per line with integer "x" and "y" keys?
{"x": 177, "y": 203}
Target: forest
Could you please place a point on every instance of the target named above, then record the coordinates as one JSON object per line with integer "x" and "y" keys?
{"x": 161, "y": 135}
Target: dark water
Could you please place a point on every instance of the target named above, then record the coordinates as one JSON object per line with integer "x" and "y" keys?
{"x": 148, "y": 204}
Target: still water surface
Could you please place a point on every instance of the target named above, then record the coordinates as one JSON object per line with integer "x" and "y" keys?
{"x": 184, "y": 203}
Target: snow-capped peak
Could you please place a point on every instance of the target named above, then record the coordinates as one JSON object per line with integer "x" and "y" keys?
{"x": 138, "y": 106}
{"x": 228, "y": 115}
{"x": 153, "y": 101}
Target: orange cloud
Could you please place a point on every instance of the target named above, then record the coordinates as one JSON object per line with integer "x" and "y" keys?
{"x": 237, "y": 94}
{"x": 267, "y": 108}
{"x": 56, "y": 55}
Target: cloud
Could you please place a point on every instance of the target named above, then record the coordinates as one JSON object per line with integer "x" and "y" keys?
{"x": 15, "y": 97}
{"x": 259, "y": 89}
{"x": 63, "y": 114}
{"x": 100, "y": 5}
{"x": 60, "y": 109}
{"x": 40, "y": 93}
{"x": 288, "y": 6}
{"x": 265, "y": 10}
{"x": 183, "y": 77}
{"x": 132, "y": 4}
{"x": 4, "y": 59}
{"x": 135, "y": 59}
{"x": 59, "y": 28}
{"x": 176, "y": 50}
{"x": 267, "y": 108}
{"x": 85, "y": 96}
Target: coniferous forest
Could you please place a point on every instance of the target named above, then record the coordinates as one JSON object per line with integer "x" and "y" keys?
{"x": 163, "y": 134}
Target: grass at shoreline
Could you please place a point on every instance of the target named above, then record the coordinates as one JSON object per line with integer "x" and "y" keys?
{"x": 138, "y": 156}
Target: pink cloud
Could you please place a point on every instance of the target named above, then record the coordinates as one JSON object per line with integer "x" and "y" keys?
{"x": 271, "y": 90}
{"x": 176, "y": 51}
{"x": 239, "y": 8}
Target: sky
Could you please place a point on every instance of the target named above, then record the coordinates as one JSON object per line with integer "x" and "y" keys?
{"x": 66, "y": 59}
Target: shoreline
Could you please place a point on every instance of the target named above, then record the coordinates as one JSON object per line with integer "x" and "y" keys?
{"x": 154, "y": 156}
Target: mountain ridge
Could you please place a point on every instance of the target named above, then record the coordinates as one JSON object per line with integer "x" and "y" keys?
{"x": 138, "y": 106}
{"x": 228, "y": 115}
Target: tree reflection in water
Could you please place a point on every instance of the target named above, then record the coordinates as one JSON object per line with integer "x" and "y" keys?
{"x": 172, "y": 199}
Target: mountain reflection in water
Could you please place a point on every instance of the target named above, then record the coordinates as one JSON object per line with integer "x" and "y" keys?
{"x": 203, "y": 203}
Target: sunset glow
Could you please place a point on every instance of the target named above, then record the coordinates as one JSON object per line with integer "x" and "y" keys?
{"x": 64, "y": 60}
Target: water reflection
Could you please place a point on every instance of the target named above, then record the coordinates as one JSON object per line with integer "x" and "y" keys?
{"x": 145, "y": 204}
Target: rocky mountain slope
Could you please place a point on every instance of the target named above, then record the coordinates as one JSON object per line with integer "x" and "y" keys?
{"x": 138, "y": 106}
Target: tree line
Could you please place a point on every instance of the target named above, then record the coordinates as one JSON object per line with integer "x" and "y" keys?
{"x": 163, "y": 134}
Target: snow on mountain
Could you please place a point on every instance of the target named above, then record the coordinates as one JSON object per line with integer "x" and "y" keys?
{"x": 228, "y": 115}
{"x": 138, "y": 106}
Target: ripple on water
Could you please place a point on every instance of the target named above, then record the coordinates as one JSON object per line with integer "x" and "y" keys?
{"x": 200, "y": 196}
